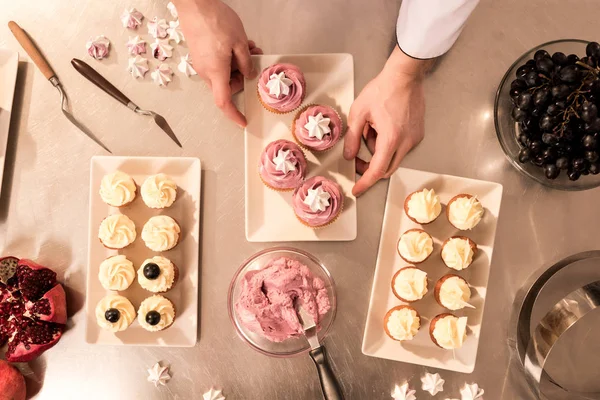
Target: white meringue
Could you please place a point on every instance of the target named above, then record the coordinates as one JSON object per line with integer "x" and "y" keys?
{"x": 172, "y": 9}
{"x": 162, "y": 75}
{"x": 158, "y": 28}
{"x": 158, "y": 375}
{"x": 403, "y": 393}
{"x": 213, "y": 394}
{"x": 131, "y": 18}
{"x": 185, "y": 66}
{"x": 138, "y": 66}
{"x": 175, "y": 32}
{"x": 161, "y": 49}
{"x": 471, "y": 392}
{"x": 98, "y": 47}
{"x": 135, "y": 45}
{"x": 432, "y": 383}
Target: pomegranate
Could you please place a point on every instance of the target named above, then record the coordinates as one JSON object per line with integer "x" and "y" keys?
{"x": 12, "y": 383}
{"x": 33, "y": 309}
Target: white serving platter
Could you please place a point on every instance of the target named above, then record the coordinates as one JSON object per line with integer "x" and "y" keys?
{"x": 269, "y": 214}
{"x": 421, "y": 350}
{"x": 9, "y": 64}
{"x": 186, "y": 172}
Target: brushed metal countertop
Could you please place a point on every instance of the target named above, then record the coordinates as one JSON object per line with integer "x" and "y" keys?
{"x": 44, "y": 204}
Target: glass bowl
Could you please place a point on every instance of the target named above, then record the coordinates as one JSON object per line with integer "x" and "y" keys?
{"x": 292, "y": 346}
{"x": 507, "y": 130}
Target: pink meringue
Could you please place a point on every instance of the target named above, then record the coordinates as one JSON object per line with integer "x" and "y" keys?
{"x": 98, "y": 47}
{"x": 157, "y": 28}
{"x": 161, "y": 49}
{"x": 131, "y": 18}
{"x": 162, "y": 75}
{"x": 136, "y": 46}
{"x": 138, "y": 66}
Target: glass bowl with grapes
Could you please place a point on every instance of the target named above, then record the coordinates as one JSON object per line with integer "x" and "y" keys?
{"x": 546, "y": 114}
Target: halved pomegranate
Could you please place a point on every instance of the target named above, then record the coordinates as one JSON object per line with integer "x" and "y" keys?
{"x": 33, "y": 309}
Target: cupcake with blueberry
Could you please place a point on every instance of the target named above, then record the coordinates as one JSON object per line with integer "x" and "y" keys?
{"x": 116, "y": 273}
{"x": 458, "y": 252}
{"x": 464, "y": 211}
{"x": 161, "y": 233}
{"x": 156, "y": 313}
{"x": 159, "y": 191}
{"x": 452, "y": 292}
{"x": 423, "y": 206}
{"x": 415, "y": 246}
{"x": 281, "y": 88}
{"x": 158, "y": 274}
{"x": 317, "y": 127}
{"x": 402, "y": 323}
{"x": 409, "y": 284}
{"x": 318, "y": 202}
{"x": 117, "y": 189}
{"x": 115, "y": 313}
{"x": 116, "y": 231}
{"x": 448, "y": 331}
{"x": 282, "y": 165}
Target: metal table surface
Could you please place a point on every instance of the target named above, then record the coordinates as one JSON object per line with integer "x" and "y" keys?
{"x": 44, "y": 204}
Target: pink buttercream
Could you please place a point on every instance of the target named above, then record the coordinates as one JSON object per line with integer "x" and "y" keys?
{"x": 277, "y": 179}
{"x": 317, "y": 218}
{"x": 268, "y": 296}
{"x": 313, "y": 143}
{"x": 283, "y": 103}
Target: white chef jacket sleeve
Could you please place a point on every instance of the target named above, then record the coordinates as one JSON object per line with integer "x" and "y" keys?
{"x": 428, "y": 28}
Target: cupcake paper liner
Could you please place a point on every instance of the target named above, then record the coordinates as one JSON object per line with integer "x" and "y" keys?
{"x": 293, "y": 128}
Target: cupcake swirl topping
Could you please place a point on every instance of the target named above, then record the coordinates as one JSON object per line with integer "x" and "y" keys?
{"x": 424, "y": 206}
{"x": 159, "y": 191}
{"x": 403, "y": 323}
{"x": 415, "y": 246}
{"x": 455, "y": 293}
{"x": 161, "y": 233}
{"x": 282, "y": 87}
{"x": 166, "y": 274}
{"x": 465, "y": 212}
{"x": 114, "y": 313}
{"x": 457, "y": 253}
{"x": 117, "y": 231}
{"x": 117, "y": 189}
{"x": 279, "y": 85}
{"x": 282, "y": 165}
{"x": 318, "y": 127}
{"x": 116, "y": 273}
{"x": 311, "y": 203}
{"x": 160, "y": 305}
{"x": 317, "y": 199}
{"x": 410, "y": 284}
{"x": 450, "y": 332}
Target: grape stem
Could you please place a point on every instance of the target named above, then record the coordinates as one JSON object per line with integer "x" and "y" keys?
{"x": 584, "y": 65}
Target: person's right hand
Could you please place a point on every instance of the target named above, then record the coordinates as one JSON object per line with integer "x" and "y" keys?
{"x": 220, "y": 50}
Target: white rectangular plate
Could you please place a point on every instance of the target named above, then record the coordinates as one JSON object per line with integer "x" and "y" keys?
{"x": 269, "y": 214}
{"x": 421, "y": 350}
{"x": 9, "y": 64}
{"x": 186, "y": 172}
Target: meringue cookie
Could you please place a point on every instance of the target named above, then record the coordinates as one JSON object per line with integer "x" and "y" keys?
{"x": 158, "y": 28}
{"x": 185, "y": 66}
{"x": 471, "y": 392}
{"x": 135, "y": 45}
{"x": 432, "y": 383}
{"x": 158, "y": 375}
{"x": 162, "y": 75}
{"x": 403, "y": 393}
{"x": 213, "y": 394}
{"x": 138, "y": 66}
{"x": 174, "y": 32}
{"x": 131, "y": 18}
{"x": 98, "y": 47}
{"x": 172, "y": 9}
{"x": 161, "y": 49}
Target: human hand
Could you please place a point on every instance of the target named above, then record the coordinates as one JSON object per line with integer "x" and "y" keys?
{"x": 220, "y": 50}
{"x": 389, "y": 114}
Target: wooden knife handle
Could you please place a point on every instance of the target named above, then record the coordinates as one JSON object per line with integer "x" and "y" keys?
{"x": 31, "y": 49}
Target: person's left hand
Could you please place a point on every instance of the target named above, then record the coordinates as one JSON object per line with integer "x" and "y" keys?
{"x": 389, "y": 114}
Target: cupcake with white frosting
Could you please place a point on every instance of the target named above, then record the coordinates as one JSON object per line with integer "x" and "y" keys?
{"x": 156, "y": 313}
{"x": 423, "y": 207}
{"x": 409, "y": 284}
{"x": 448, "y": 331}
{"x": 458, "y": 252}
{"x": 116, "y": 273}
{"x": 115, "y": 313}
{"x": 116, "y": 231}
{"x": 452, "y": 292}
{"x": 159, "y": 191}
{"x": 402, "y": 323}
{"x": 158, "y": 274}
{"x": 415, "y": 246}
{"x": 464, "y": 211}
{"x": 161, "y": 233}
{"x": 117, "y": 189}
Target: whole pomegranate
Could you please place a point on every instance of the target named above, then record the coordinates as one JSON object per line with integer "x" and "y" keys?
{"x": 33, "y": 309}
{"x": 12, "y": 383}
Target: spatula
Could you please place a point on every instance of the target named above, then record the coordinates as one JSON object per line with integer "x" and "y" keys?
{"x": 329, "y": 385}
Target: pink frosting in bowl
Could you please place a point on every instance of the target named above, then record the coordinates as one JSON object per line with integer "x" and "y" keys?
{"x": 317, "y": 218}
{"x": 276, "y": 178}
{"x": 282, "y": 103}
{"x": 268, "y": 296}
{"x": 302, "y": 135}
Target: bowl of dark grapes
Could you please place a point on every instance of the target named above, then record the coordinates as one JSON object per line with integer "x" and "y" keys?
{"x": 547, "y": 114}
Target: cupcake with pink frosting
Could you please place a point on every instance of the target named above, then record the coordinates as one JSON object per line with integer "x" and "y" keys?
{"x": 281, "y": 88}
{"x": 317, "y": 127}
{"x": 318, "y": 202}
{"x": 282, "y": 165}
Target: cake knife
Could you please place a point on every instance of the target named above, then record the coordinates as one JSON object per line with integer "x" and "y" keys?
{"x": 329, "y": 385}
{"x": 94, "y": 76}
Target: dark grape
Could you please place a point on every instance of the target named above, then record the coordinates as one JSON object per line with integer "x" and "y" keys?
{"x": 518, "y": 84}
{"x": 561, "y": 104}
{"x": 524, "y": 155}
{"x": 568, "y": 74}
{"x": 547, "y": 123}
{"x": 524, "y": 70}
{"x": 592, "y": 127}
{"x": 518, "y": 114}
{"x": 531, "y": 124}
{"x": 541, "y": 97}
{"x": 553, "y": 110}
{"x": 572, "y": 59}
{"x": 532, "y": 79}
{"x": 531, "y": 63}
{"x": 594, "y": 168}
{"x": 573, "y": 175}
{"x": 524, "y": 139}
{"x": 590, "y": 113}
{"x": 550, "y": 139}
{"x": 585, "y": 172}
{"x": 551, "y": 171}
{"x": 549, "y": 154}
{"x": 540, "y": 54}
{"x": 589, "y": 61}
{"x": 538, "y": 160}
{"x": 545, "y": 65}
{"x": 591, "y": 156}
{"x": 579, "y": 164}
{"x": 535, "y": 146}
{"x": 537, "y": 112}
{"x": 559, "y": 58}
{"x": 560, "y": 91}
{"x": 589, "y": 142}
{"x": 593, "y": 49}
{"x": 524, "y": 101}
{"x": 562, "y": 163}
